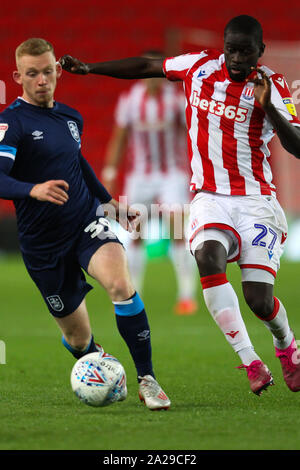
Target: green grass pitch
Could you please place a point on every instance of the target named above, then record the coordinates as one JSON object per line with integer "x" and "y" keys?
{"x": 212, "y": 406}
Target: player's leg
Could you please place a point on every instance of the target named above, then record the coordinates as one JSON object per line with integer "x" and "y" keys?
{"x": 222, "y": 302}
{"x": 63, "y": 287}
{"x": 263, "y": 227}
{"x": 76, "y": 330}
{"x": 212, "y": 249}
{"x": 259, "y": 296}
{"x": 108, "y": 265}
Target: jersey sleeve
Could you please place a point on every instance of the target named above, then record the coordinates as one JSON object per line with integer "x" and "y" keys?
{"x": 282, "y": 99}
{"x": 177, "y": 68}
{"x": 10, "y": 136}
{"x": 122, "y": 115}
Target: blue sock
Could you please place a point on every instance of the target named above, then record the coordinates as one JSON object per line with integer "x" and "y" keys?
{"x": 133, "y": 326}
{"x": 92, "y": 347}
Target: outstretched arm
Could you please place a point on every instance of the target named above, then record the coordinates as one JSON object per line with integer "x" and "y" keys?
{"x": 131, "y": 68}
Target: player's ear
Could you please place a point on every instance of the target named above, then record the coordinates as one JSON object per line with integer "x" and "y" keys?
{"x": 262, "y": 49}
{"x": 58, "y": 69}
{"x": 17, "y": 77}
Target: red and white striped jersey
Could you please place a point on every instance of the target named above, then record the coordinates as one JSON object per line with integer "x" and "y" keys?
{"x": 156, "y": 125}
{"x": 228, "y": 131}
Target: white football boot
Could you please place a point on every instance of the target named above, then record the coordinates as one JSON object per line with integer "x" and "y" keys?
{"x": 151, "y": 393}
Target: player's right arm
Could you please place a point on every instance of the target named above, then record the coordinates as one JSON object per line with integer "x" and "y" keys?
{"x": 54, "y": 191}
{"x": 130, "y": 68}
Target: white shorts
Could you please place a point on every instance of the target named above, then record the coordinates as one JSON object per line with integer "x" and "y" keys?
{"x": 170, "y": 189}
{"x": 253, "y": 229}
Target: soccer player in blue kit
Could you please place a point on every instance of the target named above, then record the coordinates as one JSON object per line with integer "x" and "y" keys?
{"x": 61, "y": 224}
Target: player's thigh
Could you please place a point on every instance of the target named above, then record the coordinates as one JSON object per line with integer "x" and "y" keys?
{"x": 263, "y": 230}
{"x": 60, "y": 281}
{"x": 210, "y": 220}
{"x": 108, "y": 265}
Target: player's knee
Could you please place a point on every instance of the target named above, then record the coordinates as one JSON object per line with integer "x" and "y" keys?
{"x": 211, "y": 258}
{"x": 262, "y": 306}
{"x": 120, "y": 289}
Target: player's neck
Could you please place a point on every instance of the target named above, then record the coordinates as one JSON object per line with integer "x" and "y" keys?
{"x": 27, "y": 99}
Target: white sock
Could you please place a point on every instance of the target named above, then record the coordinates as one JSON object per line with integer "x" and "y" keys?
{"x": 222, "y": 303}
{"x": 136, "y": 264}
{"x": 279, "y": 326}
{"x": 185, "y": 269}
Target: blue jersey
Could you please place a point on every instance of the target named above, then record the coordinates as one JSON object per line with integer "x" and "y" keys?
{"x": 37, "y": 145}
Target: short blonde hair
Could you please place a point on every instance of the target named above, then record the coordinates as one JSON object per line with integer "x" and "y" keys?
{"x": 35, "y": 47}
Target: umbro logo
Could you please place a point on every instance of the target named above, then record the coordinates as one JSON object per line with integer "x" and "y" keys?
{"x": 201, "y": 73}
{"x": 144, "y": 335}
{"x": 37, "y": 135}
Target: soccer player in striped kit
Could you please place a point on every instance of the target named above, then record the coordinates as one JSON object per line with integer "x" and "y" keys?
{"x": 150, "y": 126}
{"x": 234, "y": 106}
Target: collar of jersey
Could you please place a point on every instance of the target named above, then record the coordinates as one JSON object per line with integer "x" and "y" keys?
{"x": 26, "y": 103}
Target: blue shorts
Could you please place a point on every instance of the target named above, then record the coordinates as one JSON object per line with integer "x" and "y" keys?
{"x": 59, "y": 276}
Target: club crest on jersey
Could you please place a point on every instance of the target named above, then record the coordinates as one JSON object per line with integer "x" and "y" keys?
{"x": 248, "y": 93}
{"x": 56, "y": 303}
{"x": 3, "y": 129}
{"x": 74, "y": 130}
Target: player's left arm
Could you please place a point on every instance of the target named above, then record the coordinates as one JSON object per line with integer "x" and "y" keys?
{"x": 289, "y": 135}
{"x": 95, "y": 186}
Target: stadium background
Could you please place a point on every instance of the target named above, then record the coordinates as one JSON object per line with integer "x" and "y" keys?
{"x": 99, "y": 30}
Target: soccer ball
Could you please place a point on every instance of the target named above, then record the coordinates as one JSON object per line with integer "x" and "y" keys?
{"x": 99, "y": 379}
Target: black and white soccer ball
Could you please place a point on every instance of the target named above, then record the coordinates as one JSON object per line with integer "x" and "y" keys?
{"x": 99, "y": 379}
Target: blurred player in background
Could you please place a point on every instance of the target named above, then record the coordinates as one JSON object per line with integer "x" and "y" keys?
{"x": 61, "y": 224}
{"x": 150, "y": 125}
{"x": 234, "y": 108}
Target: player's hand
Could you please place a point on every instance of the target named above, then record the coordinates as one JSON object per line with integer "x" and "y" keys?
{"x": 54, "y": 191}
{"x": 73, "y": 65}
{"x": 262, "y": 88}
{"x": 127, "y": 217}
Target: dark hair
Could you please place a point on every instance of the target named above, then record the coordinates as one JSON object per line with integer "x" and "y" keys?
{"x": 247, "y": 25}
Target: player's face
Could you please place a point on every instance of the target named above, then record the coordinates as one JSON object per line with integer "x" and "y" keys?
{"x": 242, "y": 52}
{"x": 38, "y": 76}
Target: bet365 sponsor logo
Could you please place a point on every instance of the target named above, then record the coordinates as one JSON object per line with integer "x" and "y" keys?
{"x": 2, "y": 352}
{"x": 218, "y": 108}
